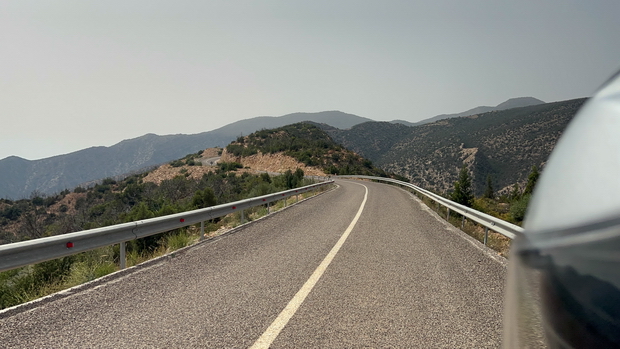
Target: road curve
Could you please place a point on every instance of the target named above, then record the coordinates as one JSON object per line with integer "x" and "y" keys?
{"x": 403, "y": 278}
{"x": 210, "y": 161}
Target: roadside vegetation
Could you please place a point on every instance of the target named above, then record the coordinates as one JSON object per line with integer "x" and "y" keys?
{"x": 118, "y": 201}
{"x": 510, "y": 208}
{"x": 114, "y": 201}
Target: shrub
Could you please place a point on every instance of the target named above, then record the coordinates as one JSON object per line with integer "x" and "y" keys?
{"x": 176, "y": 163}
{"x": 229, "y": 166}
{"x": 11, "y": 213}
{"x": 102, "y": 188}
{"x": 177, "y": 241}
{"x": 265, "y": 177}
{"x": 204, "y": 198}
{"x": 519, "y": 208}
{"x": 108, "y": 181}
{"x": 38, "y": 201}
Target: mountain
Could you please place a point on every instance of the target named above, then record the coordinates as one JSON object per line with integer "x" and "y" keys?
{"x": 20, "y": 177}
{"x": 518, "y": 103}
{"x": 333, "y": 118}
{"x": 504, "y": 144}
{"x": 403, "y": 122}
{"x": 509, "y": 104}
{"x": 294, "y": 150}
{"x": 305, "y": 142}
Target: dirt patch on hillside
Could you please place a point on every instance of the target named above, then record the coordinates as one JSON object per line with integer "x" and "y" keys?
{"x": 211, "y": 153}
{"x": 272, "y": 163}
{"x": 253, "y": 164}
{"x": 468, "y": 155}
{"x": 166, "y": 171}
{"x": 68, "y": 202}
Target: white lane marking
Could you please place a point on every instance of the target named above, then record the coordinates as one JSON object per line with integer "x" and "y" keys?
{"x": 283, "y": 318}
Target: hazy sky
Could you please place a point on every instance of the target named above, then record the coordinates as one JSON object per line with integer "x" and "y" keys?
{"x": 75, "y": 74}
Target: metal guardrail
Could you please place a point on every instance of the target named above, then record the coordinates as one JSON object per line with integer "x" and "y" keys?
{"x": 509, "y": 230}
{"x": 23, "y": 253}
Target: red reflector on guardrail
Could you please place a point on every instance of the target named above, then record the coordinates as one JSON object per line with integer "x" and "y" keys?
{"x": 69, "y": 244}
{"x": 182, "y": 220}
{"x": 264, "y": 199}
{"x": 234, "y": 207}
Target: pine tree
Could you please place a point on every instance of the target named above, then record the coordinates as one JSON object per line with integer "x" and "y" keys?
{"x": 463, "y": 193}
{"x": 489, "y": 193}
{"x": 515, "y": 194}
{"x": 204, "y": 198}
{"x": 299, "y": 174}
{"x": 531, "y": 181}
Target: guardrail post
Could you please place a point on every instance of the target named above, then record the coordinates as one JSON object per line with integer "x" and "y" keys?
{"x": 202, "y": 230}
{"x": 463, "y": 223}
{"x": 23, "y": 253}
{"x": 297, "y": 198}
{"x": 268, "y": 208}
{"x": 486, "y": 235}
{"x": 242, "y": 217}
{"x": 123, "y": 259}
{"x": 448, "y": 215}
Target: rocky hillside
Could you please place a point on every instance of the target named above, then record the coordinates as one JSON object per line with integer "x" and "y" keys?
{"x": 504, "y": 144}
{"x": 19, "y": 178}
{"x": 169, "y": 188}
{"x": 176, "y": 186}
{"x": 310, "y": 146}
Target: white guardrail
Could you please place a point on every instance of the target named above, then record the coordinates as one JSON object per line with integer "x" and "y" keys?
{"x": 23, "y": 253}
{"x": 489, "y": 222}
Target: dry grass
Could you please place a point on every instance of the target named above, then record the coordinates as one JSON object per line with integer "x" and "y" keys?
{"x": 16, "y": 285}
{"x": 496, "y": 241}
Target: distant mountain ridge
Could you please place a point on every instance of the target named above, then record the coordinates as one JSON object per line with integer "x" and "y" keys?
{"x": 332, "y": 118}
{"x": 509, "y": 104}
{"x": 20, "y": 177}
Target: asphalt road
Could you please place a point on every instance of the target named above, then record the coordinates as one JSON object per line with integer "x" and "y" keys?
{"x": 210, "y": 161}
{"x": 402, "y": 279}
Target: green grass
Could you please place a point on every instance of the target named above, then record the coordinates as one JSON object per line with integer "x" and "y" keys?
{"x": 179, "y": 240}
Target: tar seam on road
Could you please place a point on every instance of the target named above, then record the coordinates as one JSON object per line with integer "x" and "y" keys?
{"x": 272, "y": 332}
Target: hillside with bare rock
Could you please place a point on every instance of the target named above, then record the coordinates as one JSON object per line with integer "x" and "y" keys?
{"x": 272, "y": 163}
{"x": 502, "y": 144}
{"x": 306, "y": 144}
{"x": 19, "y": 177}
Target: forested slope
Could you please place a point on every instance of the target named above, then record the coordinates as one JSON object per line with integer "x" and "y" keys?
{"x": 503, "y": 144}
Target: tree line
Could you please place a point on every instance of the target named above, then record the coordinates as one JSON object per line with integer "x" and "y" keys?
{"x": 518, "y": 199}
